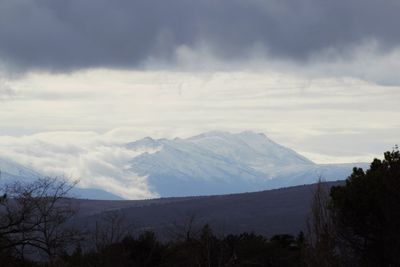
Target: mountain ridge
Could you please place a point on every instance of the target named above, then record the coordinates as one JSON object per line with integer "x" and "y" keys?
{"x": 268, "y": 212}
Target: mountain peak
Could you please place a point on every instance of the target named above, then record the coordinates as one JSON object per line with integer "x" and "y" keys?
{"x": 226, "y": 134}
{"x": 210, "y": 134}
{"x": 144, "y": 143}
{"x": 214, "y": 162}
{"x": 251, "y": 134}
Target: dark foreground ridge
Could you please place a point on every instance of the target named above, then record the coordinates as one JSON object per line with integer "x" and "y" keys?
{"x": 268, "y": 213}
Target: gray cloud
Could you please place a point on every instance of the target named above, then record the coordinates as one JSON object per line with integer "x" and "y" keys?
{"x": 58, "y": 35}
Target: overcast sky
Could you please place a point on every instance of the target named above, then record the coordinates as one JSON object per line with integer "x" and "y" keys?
{"x": 319, "y": 76}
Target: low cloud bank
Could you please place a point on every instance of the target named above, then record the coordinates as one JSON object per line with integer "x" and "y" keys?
{"x": 89, "y": 157}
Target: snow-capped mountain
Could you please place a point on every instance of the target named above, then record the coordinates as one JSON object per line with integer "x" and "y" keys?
{"x": 221, "y": 162}
{"x": 206, "y": 164}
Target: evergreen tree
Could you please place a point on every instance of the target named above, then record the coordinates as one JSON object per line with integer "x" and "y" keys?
{"x": 367, "y": 212}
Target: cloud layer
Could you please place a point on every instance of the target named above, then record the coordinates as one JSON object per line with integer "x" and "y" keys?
{"x": 96, "y": 161}
{"x": 343, "y": 118}
{"x": 69, "y": 35}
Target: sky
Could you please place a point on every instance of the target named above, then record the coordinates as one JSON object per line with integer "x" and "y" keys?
{"x": 79, "y": 77}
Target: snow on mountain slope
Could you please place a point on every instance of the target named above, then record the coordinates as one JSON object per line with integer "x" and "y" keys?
{"x": 255, "y": 150}
{"x": 220, "y": 162}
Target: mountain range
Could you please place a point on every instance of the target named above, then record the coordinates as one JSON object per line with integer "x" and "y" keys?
{"x": 211, "y": 163}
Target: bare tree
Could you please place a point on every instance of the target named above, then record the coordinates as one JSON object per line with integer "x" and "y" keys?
{"x": 111, "y": 228}
{"x": 188, "y": 228}
{"x": 34, "y": 216}
{"x": 321, "y": 233}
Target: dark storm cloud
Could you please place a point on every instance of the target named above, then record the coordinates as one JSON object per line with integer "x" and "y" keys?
{"x": 65, "y": 35}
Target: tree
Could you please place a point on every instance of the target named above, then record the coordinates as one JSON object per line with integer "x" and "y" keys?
{"x": 111, "y": 228}
{"x": 34, "y": 216}
{"x": 367, "y": 212}
{"x": 321, "y": 232}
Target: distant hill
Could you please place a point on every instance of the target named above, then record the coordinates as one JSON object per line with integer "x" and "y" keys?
{"x": 267, "y": 212}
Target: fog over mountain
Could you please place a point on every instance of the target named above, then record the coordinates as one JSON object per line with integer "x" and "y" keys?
{"x": 211, "y": 163}
{"x": 11, "y": 172}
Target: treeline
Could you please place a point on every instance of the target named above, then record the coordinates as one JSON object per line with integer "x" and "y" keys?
{"x": 357, "y": 224}
{"x": 247, "y": 249}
